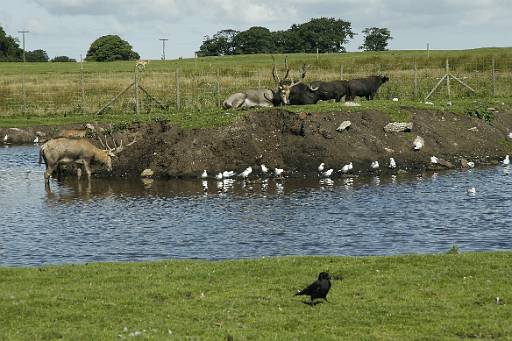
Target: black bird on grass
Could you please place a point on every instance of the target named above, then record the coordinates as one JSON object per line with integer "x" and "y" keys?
{"x": 319, "y": 288}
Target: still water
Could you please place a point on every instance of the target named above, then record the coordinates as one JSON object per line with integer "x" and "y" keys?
{"x": 128, "y": 220}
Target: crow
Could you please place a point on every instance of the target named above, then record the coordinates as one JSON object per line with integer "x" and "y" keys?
{"x": 319, "y": 288}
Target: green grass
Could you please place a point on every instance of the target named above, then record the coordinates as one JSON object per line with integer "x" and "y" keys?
{"x": 42, "y": 89}
{"x": 427, "y": 297}
{"x": 397, "y": 112}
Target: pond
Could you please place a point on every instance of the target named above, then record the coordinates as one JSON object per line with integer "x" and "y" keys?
{"x": 131, "y": 220}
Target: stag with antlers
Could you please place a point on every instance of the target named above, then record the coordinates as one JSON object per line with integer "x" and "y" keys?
{"x": 65, "y": 150}
{"x": 294, "y": 92}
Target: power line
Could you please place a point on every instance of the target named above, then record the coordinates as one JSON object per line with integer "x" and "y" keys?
{"x": 23, "y": 32}
{"x": 163, "y": 47}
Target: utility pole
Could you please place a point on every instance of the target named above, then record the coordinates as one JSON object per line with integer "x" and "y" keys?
{"x": 23, "y": 32}
{"x": 163, "y": 47}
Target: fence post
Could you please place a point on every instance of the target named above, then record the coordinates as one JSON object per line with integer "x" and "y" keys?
{"x": 178, "y": 89}
{"x": 218, "y": 89}
{"x": 341, "y": 72}
{"x": 82, "y": 89}
{"x": 493, "y": 77}
{"x": 415, "y": 80}
{"x": 448, "y": 79}
{"x": 136, "y": 88}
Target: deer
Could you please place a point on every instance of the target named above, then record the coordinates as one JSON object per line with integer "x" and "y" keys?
{"x": 141, "y": 64}
{"x": 291, "y": 91}
{"x": 65, "y": 150}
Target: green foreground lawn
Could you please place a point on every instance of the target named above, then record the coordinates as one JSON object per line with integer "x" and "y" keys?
{"x": 428, "y": 297}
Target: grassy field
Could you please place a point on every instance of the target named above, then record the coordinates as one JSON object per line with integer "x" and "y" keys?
{"x": 427, "y": 297}
{"x": 49, "y": 89}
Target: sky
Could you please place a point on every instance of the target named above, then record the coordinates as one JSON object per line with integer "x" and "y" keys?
{"x": 68, "y": 27}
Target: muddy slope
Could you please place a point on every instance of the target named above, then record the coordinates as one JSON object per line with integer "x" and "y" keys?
{"x": 300, "y": 142}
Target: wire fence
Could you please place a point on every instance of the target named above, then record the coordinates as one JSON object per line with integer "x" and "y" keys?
{"x": 205, "y": 88}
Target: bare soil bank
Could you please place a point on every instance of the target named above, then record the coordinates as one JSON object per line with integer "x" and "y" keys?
{"x": 300, "y": 142}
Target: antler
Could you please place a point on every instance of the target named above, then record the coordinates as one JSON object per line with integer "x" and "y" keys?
{"x": 120, "y": 148}
{"x": 274, "y": 72}
{"x": 303, "y": 71}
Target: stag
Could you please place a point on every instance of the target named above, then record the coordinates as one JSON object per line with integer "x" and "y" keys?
{"x": 64, "y": 150}
{"x": 294, "y": 92}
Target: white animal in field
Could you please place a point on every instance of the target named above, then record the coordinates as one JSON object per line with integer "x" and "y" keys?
{"x": 392, "y": 163}
{"x": 141, "y": 64}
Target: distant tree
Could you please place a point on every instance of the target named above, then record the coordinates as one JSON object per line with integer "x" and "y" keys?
{"x": 36, "y": 56}
{"x": 257, "y": 39}
{"x": 220, "y": 44}
{"x": 376, "y": 39}
{"x": 63, "y": 59}
{"x": 288, "y": 41}
{"x": 10, "y": 50}
{"x": 109, "y": 48}
{"x": 326, "y": 34}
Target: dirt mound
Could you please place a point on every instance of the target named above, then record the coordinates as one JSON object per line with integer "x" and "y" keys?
{"x": 300, "y": 142}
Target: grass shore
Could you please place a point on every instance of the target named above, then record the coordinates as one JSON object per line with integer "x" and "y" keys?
{"x": 427, "y": 297}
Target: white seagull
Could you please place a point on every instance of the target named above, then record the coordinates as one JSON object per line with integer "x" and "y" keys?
{"x": 6, "y": 138}
{"x": 246, "y": 172}
{"x": 418, "y": 143}
{"x": 374, "y": 165}
{"x": 392, "y": 163}
{"x": 328, "y": 173}
{"x": 228, "y": 174}
{"x": 36, "y": 140}
{"x": 472, "y": 191}
{"x": 204, "y": 175}
{"x": 434, "y": 159}
{"x": 471, "y": 164}
{"x": 506, "y": 160}
{"x": 278, "y": 171}
{"x": 264, "y": 168}
{"x": 219, "y": 176}
{"x": 321, "y": 167}
{"x": 346, "y": 168}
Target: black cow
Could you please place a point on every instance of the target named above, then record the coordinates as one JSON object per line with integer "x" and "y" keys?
{"x": 330, "y": 90}
{"x": 364, "y": 87}
{"x": 301, "y": 94}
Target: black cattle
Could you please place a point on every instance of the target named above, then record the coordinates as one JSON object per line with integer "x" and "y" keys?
{"x": 364, "y": 87}
{"x": 301, "y": 94}
{"x": 330, "y": 90}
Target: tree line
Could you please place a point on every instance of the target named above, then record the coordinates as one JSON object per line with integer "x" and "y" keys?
{"x": 319, "y": 34}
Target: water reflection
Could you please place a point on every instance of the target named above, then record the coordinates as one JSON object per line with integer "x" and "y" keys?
{"x": 137, "y": 219}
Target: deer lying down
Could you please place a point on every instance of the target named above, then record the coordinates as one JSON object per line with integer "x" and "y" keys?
{"x": 65, "y": 150}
